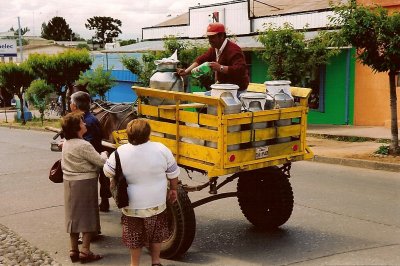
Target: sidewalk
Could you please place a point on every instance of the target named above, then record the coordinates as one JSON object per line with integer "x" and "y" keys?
{"x": 321, "y": 139}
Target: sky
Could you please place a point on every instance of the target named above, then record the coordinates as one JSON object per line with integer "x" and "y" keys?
{"x": 134, "y": 14}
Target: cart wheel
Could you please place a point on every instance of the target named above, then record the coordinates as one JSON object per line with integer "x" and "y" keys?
{"x": 182, "y": 225}
{"x": 265, "y": 197}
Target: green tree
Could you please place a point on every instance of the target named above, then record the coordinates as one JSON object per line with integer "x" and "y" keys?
{"x": 16, "y": 79}
{"x": 290, "y": 56}
{"x": 375, "y": 35}
{"x": 106, "y": 28}
{"x": 145, "y": 68}
{"x": 23, "y": 31}
{"x": 16, "y": 34}
{"x": 98, "y": 81}
{"x": 83, "y": 46}
{"x": 127, "y": 42}
{"x": 57, "y": 29}
{"x": 60, "y": 70}
{"x": 38, "y": 94}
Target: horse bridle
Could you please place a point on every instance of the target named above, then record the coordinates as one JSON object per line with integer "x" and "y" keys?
{"x": 110, "y": 111}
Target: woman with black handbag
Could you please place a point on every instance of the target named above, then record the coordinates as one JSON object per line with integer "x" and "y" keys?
{"x": 148, "y": 167}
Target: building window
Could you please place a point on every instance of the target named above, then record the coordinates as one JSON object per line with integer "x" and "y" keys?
{"x": 316, "y": 81}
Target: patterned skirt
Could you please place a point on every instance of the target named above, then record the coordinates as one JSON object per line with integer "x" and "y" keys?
{"x": 138, "y": 232}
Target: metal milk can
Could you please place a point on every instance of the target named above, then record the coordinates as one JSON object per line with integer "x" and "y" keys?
{"x": 165, "y": 78}
{"x": 228, "y": 93}
{"x": 253, "y": 102}
{"x": 277, "y": 101}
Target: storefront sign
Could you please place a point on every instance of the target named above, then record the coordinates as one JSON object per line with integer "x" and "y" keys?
{"x": 8, "y": 48}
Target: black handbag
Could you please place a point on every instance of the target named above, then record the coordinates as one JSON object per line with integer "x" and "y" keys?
{"x": 56, "y": 173}
{"x": 120, "y": 192}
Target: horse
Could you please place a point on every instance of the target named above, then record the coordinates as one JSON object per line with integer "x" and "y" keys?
{"x": 112, "y": 116}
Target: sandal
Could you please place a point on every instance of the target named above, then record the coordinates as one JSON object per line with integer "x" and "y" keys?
{"x": 74, "y": 255}
{"x": 89, "y": 257}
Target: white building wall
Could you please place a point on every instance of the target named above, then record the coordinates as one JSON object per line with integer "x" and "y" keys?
{"x": 159, "y": 33}
{"x": 234, "y": 16}
{"x": 298, "y": 21}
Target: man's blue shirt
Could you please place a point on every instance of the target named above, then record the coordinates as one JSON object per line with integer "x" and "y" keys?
{"x": 94, "y": 133}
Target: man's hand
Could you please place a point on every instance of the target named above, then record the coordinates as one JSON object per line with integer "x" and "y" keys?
{"x": 214, "y": 66}
{"x": 182, "y": 72}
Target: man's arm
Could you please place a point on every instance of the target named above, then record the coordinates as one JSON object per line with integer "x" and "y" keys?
{"x": 187, "y": 71}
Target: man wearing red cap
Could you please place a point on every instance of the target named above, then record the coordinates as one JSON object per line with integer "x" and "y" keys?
{"x": 225, "y": 58}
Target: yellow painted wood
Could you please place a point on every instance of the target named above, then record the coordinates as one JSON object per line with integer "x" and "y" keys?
{"x": 199, "y": 133}
{"x": 264, "y": 116}
{"x": 256, "y": 165}
{"x": 245, "y": 136}
{"x": 182, "y": 106}
{"x": 199, "y": 118}
{"x": 120, "y": 137}
{"x": 249, "y": 155}
{"x": 256, "y": 87}
{"x": 173, "y": 95}
{"x": 300, "y": 92}
{"x": 201, "y": 153}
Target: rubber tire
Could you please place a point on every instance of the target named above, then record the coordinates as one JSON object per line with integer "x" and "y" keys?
{"x": 265, "y": 197}
{"x": 182, "y": 225}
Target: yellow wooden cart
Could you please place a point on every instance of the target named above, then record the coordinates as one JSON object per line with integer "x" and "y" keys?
{"x": 203, "y": 142}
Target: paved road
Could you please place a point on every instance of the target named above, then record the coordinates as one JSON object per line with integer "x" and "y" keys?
{"x": 342, "y": 215}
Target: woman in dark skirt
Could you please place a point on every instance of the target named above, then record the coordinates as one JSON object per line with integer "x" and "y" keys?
{"x": 81, "y": 164}
{"x": 148, "y": 168}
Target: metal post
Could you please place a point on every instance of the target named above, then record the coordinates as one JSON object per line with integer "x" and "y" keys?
{"x": 20, "y": 40}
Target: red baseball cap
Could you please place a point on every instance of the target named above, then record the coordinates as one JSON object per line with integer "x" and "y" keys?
{"x": 214, "y": 28}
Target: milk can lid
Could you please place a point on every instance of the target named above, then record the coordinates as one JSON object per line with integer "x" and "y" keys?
{"x": 224, "y": 86}
{"x": 277, "y": 82}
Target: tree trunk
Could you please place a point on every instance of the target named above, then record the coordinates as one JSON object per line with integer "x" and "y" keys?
{"x": 394, "y": 144}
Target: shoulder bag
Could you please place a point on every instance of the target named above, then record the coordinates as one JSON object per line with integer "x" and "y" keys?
{"x": 56, "y": 173}
{"x": 120, "y": 193}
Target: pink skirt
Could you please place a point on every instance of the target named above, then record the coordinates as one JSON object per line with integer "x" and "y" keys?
{"x": 138, "y": 232}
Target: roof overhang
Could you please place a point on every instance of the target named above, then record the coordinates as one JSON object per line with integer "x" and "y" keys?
{"x": 247, "y": 43}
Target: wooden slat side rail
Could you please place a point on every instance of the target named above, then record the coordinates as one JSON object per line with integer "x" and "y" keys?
{"x": 246, "y": 136}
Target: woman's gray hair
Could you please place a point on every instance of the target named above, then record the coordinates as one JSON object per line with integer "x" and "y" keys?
{"x": 82, "y": 100}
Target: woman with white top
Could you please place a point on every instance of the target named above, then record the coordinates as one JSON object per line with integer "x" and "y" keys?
{"x": 148, "y": 168}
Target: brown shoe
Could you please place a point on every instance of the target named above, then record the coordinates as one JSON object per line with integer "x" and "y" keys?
{"x": 74, "y": 255}
{"x": 89, "y": 257}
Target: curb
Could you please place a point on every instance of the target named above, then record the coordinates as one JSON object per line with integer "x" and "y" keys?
{"x": 24, "y": 128}
{"x": 392, "y": 167}
{"x": 347, "y": 137}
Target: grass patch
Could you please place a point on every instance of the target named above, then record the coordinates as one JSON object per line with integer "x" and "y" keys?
{"x": 35, "y": 123}
{"x": 383, "y": 150}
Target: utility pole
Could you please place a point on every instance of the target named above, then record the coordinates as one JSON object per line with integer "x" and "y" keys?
{"x": 20, "y": 40}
